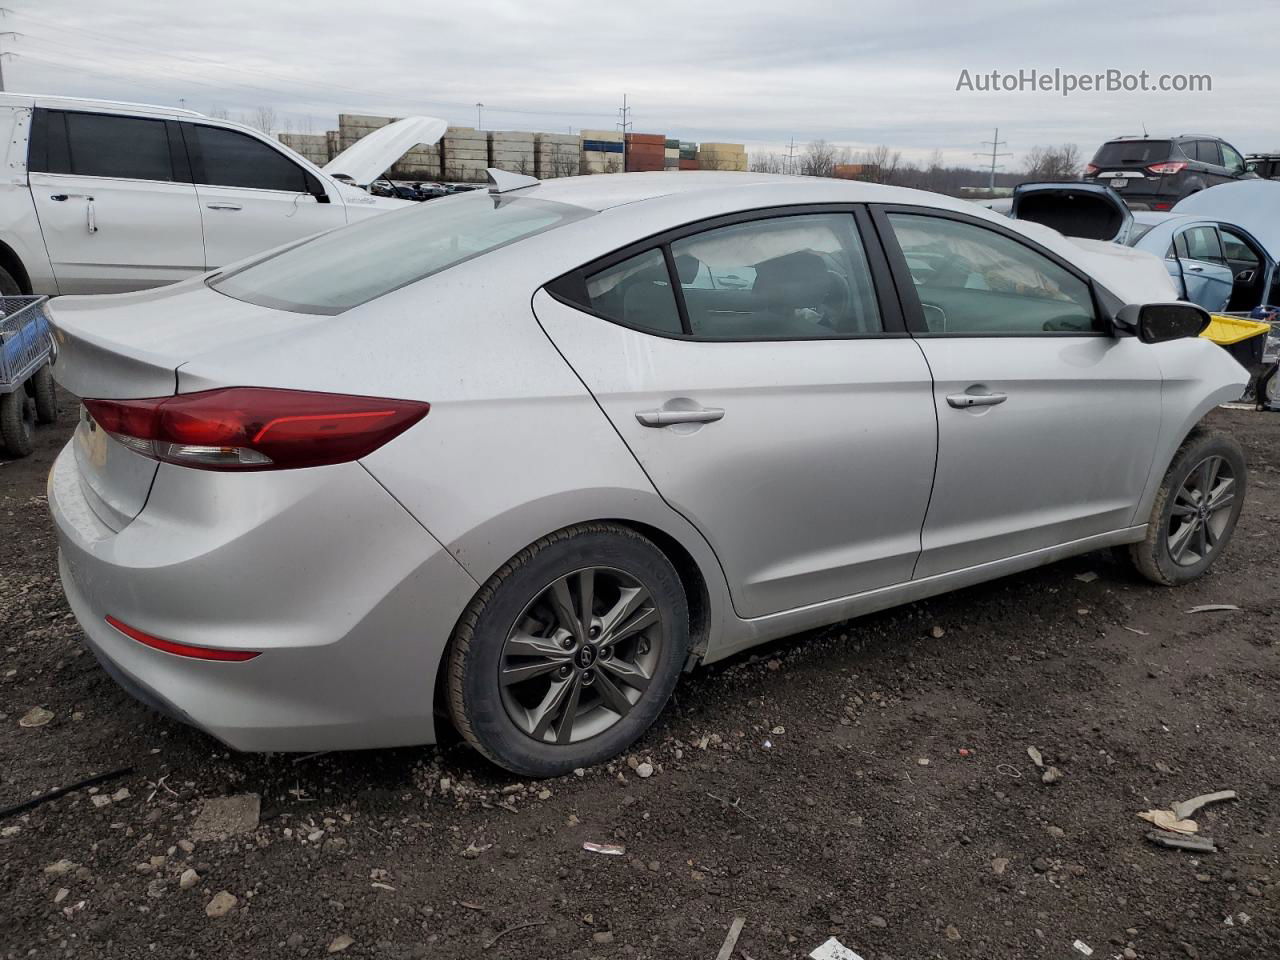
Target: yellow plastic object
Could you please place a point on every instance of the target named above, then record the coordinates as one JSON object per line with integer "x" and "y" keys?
{"x": 1224, "y": 330}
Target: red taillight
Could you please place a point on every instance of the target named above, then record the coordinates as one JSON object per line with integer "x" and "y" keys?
{"x": 1164, "y": 169}
{"x": 255, "y": 428}
{"x": 182, "y": 649}
{"x": 1090, "y": 169}
{"x": 1162, "y": 205}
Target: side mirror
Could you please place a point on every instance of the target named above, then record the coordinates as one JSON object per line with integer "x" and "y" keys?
{"x": 1160, "y": 322}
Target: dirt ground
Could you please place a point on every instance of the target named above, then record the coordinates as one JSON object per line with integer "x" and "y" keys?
{"x": 870, "y": 782}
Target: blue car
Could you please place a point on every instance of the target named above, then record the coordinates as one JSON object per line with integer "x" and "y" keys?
{"x": 1220, "y": 246}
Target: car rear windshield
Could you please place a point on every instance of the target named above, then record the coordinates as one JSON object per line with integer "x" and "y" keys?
{"x": 1119, "y": 152}
{"x": 344, "y": 268}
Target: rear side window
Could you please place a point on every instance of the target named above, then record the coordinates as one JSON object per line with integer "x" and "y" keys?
{"x": 792, "y": 278}
{"x": 1121, "y": 152}
{"x": 636, "y": 293}
{"x": 227, "y": 158}
{"x": 1207, "y": 152}
{"x": 1202, "y": 243}
{"x": 343, "y": 268}
{"x": 100, "y": 145}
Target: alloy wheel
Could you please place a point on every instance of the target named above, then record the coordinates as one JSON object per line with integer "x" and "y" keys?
{"x": 581, "y": 655}
{"x": 1201, "y": 511}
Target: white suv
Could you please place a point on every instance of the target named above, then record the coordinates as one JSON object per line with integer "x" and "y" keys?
{"x": 101, "y": 197}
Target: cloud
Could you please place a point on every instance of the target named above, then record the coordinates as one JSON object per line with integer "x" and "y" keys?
{"x": 748, "y": 71}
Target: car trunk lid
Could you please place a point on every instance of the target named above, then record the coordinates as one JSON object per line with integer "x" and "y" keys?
{"x": 130, "y": 346}
{"x": 1089, "y": 211}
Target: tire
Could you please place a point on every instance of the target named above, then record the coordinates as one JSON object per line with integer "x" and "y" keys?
{"x": 9, "y": 285}
{"x": 45, "y": 393}
{"x": 1182, "y": 539}
{"x": 515, "y": 625}
{"x": 17, "y": 422}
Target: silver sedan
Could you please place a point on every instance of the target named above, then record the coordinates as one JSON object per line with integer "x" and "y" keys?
{"x": 514, "y": 459}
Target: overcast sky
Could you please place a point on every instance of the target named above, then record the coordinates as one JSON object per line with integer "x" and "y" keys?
{"x": 742, "y": 71}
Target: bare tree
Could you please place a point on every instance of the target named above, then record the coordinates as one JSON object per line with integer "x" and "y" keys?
{"x": 767, "y": 163}
{"x": 1053, "y": 163}
{"x": 219, "y": 112}
{"x": 881, "y": 163}
{"x": 819, "y": 159}
{"x": 264, "y": 118}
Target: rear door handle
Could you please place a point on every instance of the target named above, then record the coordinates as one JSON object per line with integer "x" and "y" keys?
{"x": 962, "y": 400}
{"x": 223, "y": 205}
{"x": 665, "y": 418}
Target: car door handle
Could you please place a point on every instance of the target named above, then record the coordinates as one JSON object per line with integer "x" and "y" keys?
{"x": 1196, "y": 269}
{"x": 962, "y": 400}
{"x": 666, "y": 418}
{"x": 223, "y": 205}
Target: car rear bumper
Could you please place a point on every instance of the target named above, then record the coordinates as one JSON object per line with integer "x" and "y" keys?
{"x": 349, "y": 600}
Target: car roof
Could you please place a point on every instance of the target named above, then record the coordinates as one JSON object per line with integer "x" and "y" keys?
{"x": 738, "y": 191}
{"x": 55, "y": 102}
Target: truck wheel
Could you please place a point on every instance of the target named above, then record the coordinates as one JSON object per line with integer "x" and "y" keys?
{"x": 17, "y": 422}
{"x": 45, "y": 393}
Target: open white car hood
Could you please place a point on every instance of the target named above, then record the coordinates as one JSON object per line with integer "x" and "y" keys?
{"x": 1252, "y": 204}
{"x": 370, "y": 157}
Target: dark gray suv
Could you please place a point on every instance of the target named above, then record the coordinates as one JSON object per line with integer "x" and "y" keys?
{"x": 1156, "y": 174}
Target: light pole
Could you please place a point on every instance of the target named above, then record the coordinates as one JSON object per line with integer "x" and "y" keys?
{"x": 479, "y": 107}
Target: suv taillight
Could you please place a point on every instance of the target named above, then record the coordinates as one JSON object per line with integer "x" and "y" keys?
{"x": 255, "y": 428}
{"x": 1090, "y": 169}
{"x": 1164, "y": 169}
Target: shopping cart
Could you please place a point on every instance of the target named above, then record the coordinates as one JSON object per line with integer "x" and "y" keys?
{"x": 27, "y": 393}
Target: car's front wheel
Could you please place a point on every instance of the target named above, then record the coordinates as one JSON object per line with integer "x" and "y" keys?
{"x": 1195, "y": 510}
{"x": 570, "y": 651}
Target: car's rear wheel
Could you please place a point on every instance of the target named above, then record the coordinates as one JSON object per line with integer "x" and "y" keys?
{"x": 17, "y": 422}
{"x": 1195, "y": 510}
{"x": 570, "y": 651}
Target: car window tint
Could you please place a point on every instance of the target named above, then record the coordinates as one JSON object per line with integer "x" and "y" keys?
{"x": 227, "y": 158}
{"x": 1237, "y": 249}
{"x": 800, "y": 277}
{"x": 1207, "y": 152}
{"x": 1125, "y": 152}
{"x": 102, "y": 145}
{"x": 971, "y": 280}
{"x": 636, "y": 292}
{"x": 1203, "y": 244}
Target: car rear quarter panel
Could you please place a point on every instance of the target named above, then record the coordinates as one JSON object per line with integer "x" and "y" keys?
{"x": 514, "y": 447}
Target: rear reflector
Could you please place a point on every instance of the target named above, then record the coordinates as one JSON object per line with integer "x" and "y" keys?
{"x": 182, "y": 649}
{"x": 255, "y": 428}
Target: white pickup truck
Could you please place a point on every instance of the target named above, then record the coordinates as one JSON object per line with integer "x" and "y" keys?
{"x": 102, "y": 197}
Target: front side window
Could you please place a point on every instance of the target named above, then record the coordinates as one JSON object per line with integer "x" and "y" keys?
{"x": 228, "y": 158}
{"x": 343, "y": 268}
{"x": 1231, "y": 159}
{"x": 1238, "y": 250}
{"x": 975, "y": 281}
{"x": 101, "y": 145}
{"x": 791, "y": 278}
{"x": 637, "y": 293}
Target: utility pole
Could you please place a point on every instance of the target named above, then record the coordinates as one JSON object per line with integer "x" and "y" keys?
{"x": 5, "y": 53}
{"x": 791, "y": 155}
{"x": 624, "y": 116}
{"x": 995, "y": 146}
{"x": 479, "y": 107}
